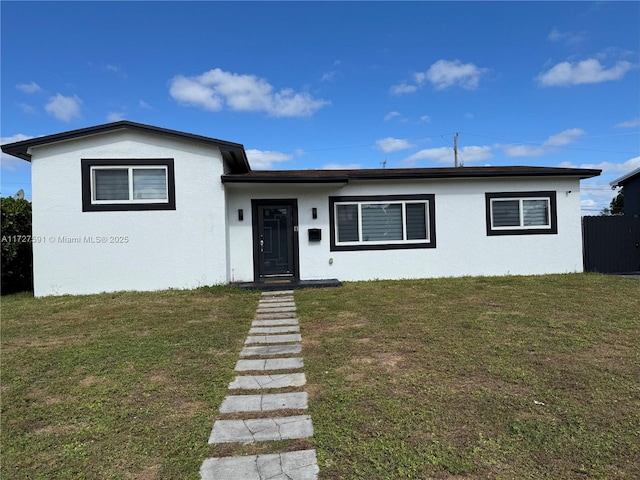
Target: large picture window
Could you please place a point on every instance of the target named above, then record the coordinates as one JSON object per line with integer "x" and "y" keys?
{"x": 382, "y": 222}
{"x": 521, "y": 213}
{"x": 128, "y": 185}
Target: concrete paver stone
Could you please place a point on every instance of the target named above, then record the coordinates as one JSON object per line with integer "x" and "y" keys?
{"x": 264, "y": 403}
{"x": 271, "y": 350}
{"x": 277, "y": 293}
{"x": 274, "y": 315}
{"x": 269, "y": 305}
{"x": 258, "y": 382}
{"x": 269, "y": 364}
{"x": 261, "y": 429}
{"x": 262, "y": 310}
{"x": 275, "y": 322}
{"x": 300, "y": 465}
{"x": 272, "y": 330}
{"x": 278, "y": 299}
{"x": 286, "y": 338}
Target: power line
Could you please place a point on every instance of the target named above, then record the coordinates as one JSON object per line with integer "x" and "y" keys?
{"x": 542, "y": 143}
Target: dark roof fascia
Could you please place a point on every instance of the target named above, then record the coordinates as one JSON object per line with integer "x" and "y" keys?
{"x": 344, "y": 176}
{"x": 240, "y": 178}
{"x": 619, "y": 182}
{"x": 20, "y": 149}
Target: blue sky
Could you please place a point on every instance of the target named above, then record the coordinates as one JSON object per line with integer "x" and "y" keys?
{"x": 337, "y": 85}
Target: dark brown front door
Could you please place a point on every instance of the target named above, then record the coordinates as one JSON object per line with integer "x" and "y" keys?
{"x": 274, "y": 239}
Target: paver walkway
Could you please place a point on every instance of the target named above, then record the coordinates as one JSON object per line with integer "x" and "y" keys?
{"x": 275, "y": 336}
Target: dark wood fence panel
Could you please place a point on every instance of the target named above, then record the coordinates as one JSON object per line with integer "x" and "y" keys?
{"x": 611, "y": 244}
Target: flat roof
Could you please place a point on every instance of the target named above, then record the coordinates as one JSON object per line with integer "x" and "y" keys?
{"x": 343, "y": 176}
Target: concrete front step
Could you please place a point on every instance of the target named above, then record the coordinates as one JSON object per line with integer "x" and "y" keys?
{"x": 269, "y": 364}
{"x": 272, "y": 330}
{"x": 300, "y": 465}
{"x": 287, "y": 338}
{"x": 261, "y": 429}
{"x": 264, "y": 403}
{"x": 259, "y": 382}
{"x": 271, "y": 350}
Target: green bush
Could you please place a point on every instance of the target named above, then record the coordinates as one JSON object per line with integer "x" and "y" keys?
{"x": 17, "y": 256}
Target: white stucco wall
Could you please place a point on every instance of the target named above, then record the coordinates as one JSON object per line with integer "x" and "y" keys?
{"x": 463, "y": 247}
{"x": 182, "y": 248}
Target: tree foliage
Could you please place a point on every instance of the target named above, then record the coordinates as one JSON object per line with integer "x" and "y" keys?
{"x": 17, "y": 252}
{"x": 616, "y": 207}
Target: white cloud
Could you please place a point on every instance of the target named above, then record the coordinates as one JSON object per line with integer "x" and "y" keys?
{"x": 31, "y": 87}
{"x": 608, "y": 167}
{"x": 444, "y": 74}
{"x": 586, "y": 71}
{"x": 191, "y": 92}
{"x": 143, "y": 104}
{"x": 327, "y": 76}
{"x": 629, "y": 123}
{"x": 570, "y": 38}
{"x": 392, "y": 115}
{"x": 115, "y": 116}
{"x": 425, "y": 118}
{"x": 523, "y": 150}
{"x": 265, "y": 159}
{"x": 565, "y": 137}
{"x": 116, "y": 69}
{"x": 475, "y": 153}
{"x": 64, "y": 108}
{"x": 468, "y": 154}
{"x": 390, "y": 144}
{"x": 26, "y": 108}
{"x": 469, "y": 116}
{"x": 9, "y": 162}
{"x": 403, "y": 88}
{"x": 215, "y": 89}
{"x": 338, "y": 166}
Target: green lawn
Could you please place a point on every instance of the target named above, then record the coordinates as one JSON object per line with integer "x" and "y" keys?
{"x": 116, "y": 386}
{"x": 511, "y": 377}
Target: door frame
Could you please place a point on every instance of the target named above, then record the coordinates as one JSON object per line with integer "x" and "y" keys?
{"x": 293, "y": 232}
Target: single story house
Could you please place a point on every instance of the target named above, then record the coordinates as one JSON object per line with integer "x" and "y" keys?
{"x": 127, "y": 206}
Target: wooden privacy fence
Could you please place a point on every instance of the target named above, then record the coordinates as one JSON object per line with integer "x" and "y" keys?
{"x": 611, "y": 244}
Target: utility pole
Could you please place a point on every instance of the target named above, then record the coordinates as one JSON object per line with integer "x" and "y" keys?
{"x": 455, "y": 150}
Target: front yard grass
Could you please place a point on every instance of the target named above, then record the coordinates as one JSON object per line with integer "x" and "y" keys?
{"x": 496, "y": 378}
{"x": 116, "y": 386}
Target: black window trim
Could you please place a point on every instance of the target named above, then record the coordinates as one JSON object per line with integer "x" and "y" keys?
{"x": 550, "y": 194}
{"x": 89, "y": 206}
{"x": 431, "y": 213}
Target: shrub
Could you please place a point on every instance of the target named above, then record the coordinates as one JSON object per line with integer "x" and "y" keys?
{"x": 17, "y": 256}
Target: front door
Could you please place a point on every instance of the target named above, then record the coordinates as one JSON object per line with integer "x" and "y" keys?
{"x": 274, "y": 239}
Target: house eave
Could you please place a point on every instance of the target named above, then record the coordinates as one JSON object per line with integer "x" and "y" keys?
{"x": 233, "y": 153}
{"x": 346, "y": 176}
{"x": 625, "y": 178}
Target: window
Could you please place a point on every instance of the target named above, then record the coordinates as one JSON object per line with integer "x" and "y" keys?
{"x": 521, "y": 213}
{"x": 382, "y": 222}
{"x": 109, "y": 185}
